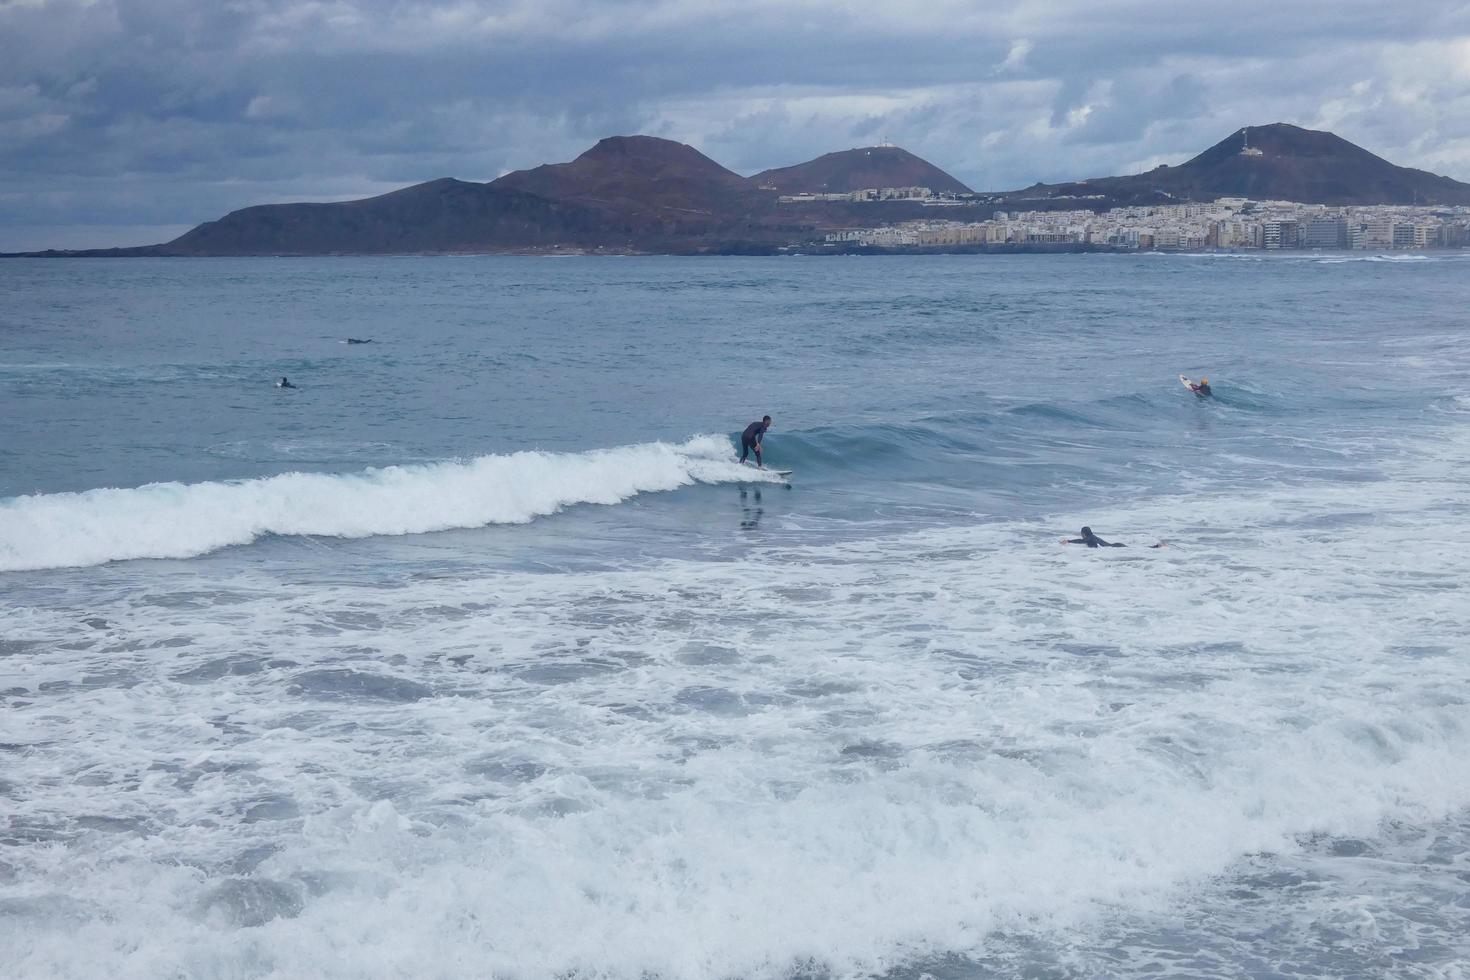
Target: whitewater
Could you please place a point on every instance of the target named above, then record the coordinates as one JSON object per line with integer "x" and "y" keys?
{"x": 467, "y": 658}
{"x": 174, "y": 520}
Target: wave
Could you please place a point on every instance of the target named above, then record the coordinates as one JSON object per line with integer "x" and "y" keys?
{"x": 1339, "y": 259}
{"x": 176, "y": 520}
{"x": 1314, "y": 258}
{"x": 952, "y": 441}
{"x": 996, "y": 743}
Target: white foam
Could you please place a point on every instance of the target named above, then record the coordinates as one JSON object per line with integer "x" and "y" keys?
{"x": 846, "y": 756}
{"x": 1313, "y": 258}
{"x": 176, "y": 520}
{"x": 1339, "y": 259}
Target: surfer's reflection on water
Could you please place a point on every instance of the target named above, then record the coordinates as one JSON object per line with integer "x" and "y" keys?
{"x": 751, "y": 511}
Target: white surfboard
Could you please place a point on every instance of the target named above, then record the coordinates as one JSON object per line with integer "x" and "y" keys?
{"x": 1186, "y": 382}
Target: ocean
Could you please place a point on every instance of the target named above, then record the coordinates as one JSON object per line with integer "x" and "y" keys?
{"x": 478, "y": 655}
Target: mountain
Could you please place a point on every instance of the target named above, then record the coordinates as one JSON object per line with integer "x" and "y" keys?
{"x": 645, "y": 194}
{"x": 644, "y": 184}
{"x": 855, "y": 170}
{"x": 444, "y": 215}
{"x": 1278, "y": 162}
{"x": 626, "y": 193}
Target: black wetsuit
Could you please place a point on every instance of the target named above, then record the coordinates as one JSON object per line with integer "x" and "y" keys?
{"x": 1202, "y": 390}
{"x": 750, "y": 441}
{"x": 1093, "y": 541}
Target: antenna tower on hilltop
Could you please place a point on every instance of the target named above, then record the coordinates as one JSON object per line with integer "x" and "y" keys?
{"x": 1245, "y": 148}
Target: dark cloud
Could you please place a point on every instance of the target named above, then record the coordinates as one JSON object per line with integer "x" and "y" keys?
{"x": 170, "y": 112}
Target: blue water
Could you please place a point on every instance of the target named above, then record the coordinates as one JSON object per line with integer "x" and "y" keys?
{"x": 477, "y": 654}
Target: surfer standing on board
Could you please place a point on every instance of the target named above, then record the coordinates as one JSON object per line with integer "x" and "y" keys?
{"x": 750, "y": 440}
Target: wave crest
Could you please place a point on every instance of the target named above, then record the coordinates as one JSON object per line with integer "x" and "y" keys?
{"x": 177, "y": 520}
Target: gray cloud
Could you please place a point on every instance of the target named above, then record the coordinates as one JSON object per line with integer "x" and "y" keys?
{"x": 170, "y": 112}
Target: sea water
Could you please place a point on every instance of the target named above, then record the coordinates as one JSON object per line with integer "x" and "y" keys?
{"x": 477, "y": 654}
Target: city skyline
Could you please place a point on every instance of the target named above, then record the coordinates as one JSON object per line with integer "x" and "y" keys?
{"x": 1226, "y": 224}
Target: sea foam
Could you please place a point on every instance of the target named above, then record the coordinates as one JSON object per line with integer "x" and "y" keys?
{"x": 178, "y": 520}
{"x": 844, "y": 759}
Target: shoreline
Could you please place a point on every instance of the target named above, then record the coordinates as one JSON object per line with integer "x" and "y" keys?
{"x": 812, "y": 250}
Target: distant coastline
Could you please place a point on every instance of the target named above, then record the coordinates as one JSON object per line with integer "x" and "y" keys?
{"x": 1275, "y": 187}
{"x": 814, "y": 250}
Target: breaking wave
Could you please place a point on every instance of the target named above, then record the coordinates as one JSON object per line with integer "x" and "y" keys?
{"x": 1313, "y": 257}
{"x": 177, "y": 520}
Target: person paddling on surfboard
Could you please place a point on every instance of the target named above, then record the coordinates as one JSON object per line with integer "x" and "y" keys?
{"x": 1093, "y": 541}
{"x": 1202, "y": 389}
{"x": 750, "y": 440}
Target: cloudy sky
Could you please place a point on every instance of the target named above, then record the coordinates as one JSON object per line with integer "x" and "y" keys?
{"x": 126, "y": 121}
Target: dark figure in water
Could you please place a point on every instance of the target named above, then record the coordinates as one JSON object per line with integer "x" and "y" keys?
{"x": 283, "y": 383}
{"x": 354, "y": 340}
{"x": 1093, "y": 541}
{"x": 1202, "y": 389}
{"x": 750, "y": 439}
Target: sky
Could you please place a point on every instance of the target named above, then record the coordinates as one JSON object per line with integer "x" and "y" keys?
{"x": 128, "y": 121}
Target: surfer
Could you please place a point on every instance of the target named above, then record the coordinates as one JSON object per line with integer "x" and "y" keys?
{"x": 1202, "y": 389}
{"x": 750, "y": 440}
{"x": 355, "y": 340}
{"x": 1093, "y": 541}
{"x": 283, "y": 383}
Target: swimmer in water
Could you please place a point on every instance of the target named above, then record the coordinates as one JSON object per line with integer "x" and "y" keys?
{"x": 283, "y": 383}
{"x": 1202, "y": 389}
{"x": 1093, "y": 541}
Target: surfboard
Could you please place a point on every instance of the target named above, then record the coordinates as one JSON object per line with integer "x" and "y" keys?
{"x": 1186, "y": 382}
{"x": 767, "y": 469}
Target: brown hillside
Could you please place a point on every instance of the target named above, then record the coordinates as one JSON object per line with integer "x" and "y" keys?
{"x": 855, "y": 170}
{"x": 1276, "y": 162}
